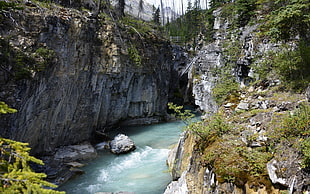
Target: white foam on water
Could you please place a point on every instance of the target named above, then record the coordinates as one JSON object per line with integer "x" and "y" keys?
{"x": 142, "y": 171}
{"x": 93, "y": 188}
{"x": 131, "y": 170}
{"x": 103, "y": 176}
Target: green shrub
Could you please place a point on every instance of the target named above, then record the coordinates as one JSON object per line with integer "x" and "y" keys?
{"x": 46, "y": 56}
{"x": 8, "y": 5}
{"x": 4, "y": 108}
{"x": 288, "y": 19}
{"x": 134, "y": 55}
{"x": 225, "y": 87}
{"x": 138, "y": 26}
{"x": 305, "y": 148}
{"x": 246, "y": 10}
{"x": 296, "y": 124}
{"x": 23, "y": 67}
{"x": 293, "y": 67}
{"x": 188, "y": 26}
{"x": 233, "y": 162}
{"x": 16, "y": 176}
{"x": 185, "y": 115}
{"x": 209, "y": 130}
{"x": 293, "y": 130}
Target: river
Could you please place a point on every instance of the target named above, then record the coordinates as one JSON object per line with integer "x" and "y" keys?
{"x": 143, "y": 171}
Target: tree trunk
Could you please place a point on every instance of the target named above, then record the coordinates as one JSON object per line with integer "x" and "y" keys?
{"x": 121, "y": 8}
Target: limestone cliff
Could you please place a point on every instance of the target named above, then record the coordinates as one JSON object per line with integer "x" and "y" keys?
{"x": 94, "y": 73}
{"x": 252, "y": 153}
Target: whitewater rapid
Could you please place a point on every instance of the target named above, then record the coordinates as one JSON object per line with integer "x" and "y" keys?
{"x": 143, "y": 171}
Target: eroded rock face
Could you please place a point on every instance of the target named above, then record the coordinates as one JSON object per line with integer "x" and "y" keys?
{"x": 178, "y": 186}
{"x": 91, "y": 83}
{"x": 285, "y": 170}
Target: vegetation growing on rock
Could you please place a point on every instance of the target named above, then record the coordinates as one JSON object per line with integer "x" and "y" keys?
{"x": 237, "y": 146}
{"x": 263, "y": 117}
{"x": 16, "y": 175}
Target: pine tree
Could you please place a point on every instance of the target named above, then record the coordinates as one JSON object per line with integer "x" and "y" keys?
{"x": 141, "y": 7}
{"x": 121, "y": 8}
{"x": 16, "y": 176}
{"x": 156, "y": 16}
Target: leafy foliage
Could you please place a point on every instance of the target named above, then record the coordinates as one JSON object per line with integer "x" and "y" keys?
{"x": 234, "y": 162}
{"x": 25, "y": 65}
{"x": 225, "y": 87}
{"x": 294, "y": 66}
{"x": 245, "y": 9}
{"x": 296, "y": 124}
{"x": 229, "y": 157}
{"x": 210, "y": 129}
{"x": 138, "y": 26}
{"x": 217, "y": 3}
{"x": 305, "y": 148}
{"x": 288, "y": 19}
{"x": 134, "y": 55}
{"x": 4, "y": 108}
{"x": 188, "y": 26}
{"x": 185, "y": 115}
{"x": 291, "y": 65}
{"x": 45, "y": 56}
{"x": 8, "y": 5}
{"x": 16, "y": 175}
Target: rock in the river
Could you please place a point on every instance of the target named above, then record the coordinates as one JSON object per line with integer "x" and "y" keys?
{"x": 122, "y": 144}
{"x": 75, "y": 164}
{"x": 103, "y": 145}
{"x": 75, "y": 153}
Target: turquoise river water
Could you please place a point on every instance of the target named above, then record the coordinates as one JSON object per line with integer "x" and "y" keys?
{"x": 143, "y": 171}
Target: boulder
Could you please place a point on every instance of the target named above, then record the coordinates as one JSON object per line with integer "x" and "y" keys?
{"x": 76, "y": 153}
{"x": 122, "y": 144}
{"x": 103, "y": 145}
{"x": 287, "y": 170}
{"x": 75, "y": 164}
{"x": 243, "y": 106}
{"x": 275, "y": 178}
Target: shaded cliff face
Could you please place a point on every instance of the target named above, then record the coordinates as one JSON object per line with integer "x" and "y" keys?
{"x": 91, "y": 81}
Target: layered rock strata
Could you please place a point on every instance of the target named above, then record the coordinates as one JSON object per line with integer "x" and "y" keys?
{"x": 100, "y": 73}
